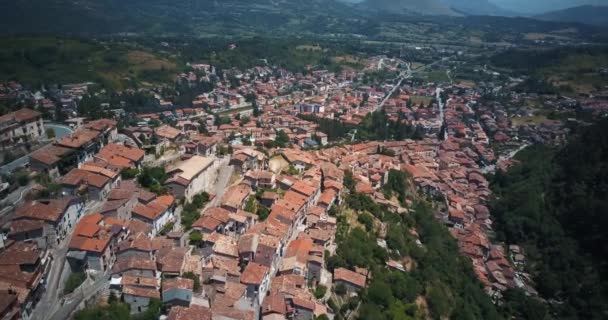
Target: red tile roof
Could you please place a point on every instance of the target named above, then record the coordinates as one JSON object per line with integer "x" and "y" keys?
{"x": 254, "y": 274}
{"x": 351, "y": 277}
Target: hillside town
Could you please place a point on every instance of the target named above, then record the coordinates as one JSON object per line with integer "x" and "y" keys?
{"x": 229, "y": 208}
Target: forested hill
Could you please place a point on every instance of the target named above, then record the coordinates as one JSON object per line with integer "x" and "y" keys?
{"x": 555, "y": 204}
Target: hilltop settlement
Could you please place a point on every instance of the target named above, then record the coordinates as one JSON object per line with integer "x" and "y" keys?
{"x": 239, "y": 204}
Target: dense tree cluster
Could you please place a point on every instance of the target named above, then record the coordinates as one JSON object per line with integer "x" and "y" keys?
{"x": 439, "y": 275}
{"x": 555, "y": 204}
{"x": 153, "y": 178}
{"x": 375, "y": 126}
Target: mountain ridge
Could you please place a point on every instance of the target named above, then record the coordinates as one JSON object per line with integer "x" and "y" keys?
{"x": 429, "y": 7}
{"x": 586, "y": 14}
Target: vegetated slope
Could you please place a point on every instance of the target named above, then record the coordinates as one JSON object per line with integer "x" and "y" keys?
{"x": 431, "y": 7}
{"x": 477, "y": 7}
{"x": 44, "y": 60}
{"x": 156, "y": 17}
{"x": 439, "y": 284}
{"x": 595, "y": 15}
{"x": 576, "y": 67}
{"x": 555, "y": 204}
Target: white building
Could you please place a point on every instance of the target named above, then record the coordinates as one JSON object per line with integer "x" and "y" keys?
{"x": 20, "y": 125}
{"x": 191, "y": 176}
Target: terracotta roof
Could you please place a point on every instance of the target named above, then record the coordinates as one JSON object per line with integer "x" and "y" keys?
{"x": 141, "y": 292}
{"x": 154, "y": 209}
{"x": 178, "y": 283}
{"x": 167, "y": 132}
{"x": 77, "y": 177}
{"x": 194, "y": 312}
{"x": 47, "y": 210}
{"x": 254, "y": 274}
{"x": 206, "y": 222}
{"x": 101, "y": 124}
{"x": 274, "y": 303}
{"x": 303, "y": 188}
{"x": 18, "y": 253}
{"x": 137, "y": 281}
{"x": 133, "y": 263}
{"x": 327, "y": 196}
{"x": 351, "y": 277}
{"x": 120, "y": 155}
{"x": 25, "y": 225}
{"x": 78, "y": 139}
{"x": 50, "y": 155}
{"x": 21, "y": 115}
{"x": 235, "y": 196}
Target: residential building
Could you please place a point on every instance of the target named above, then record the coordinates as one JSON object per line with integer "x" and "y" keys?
{"x": 191, "y": 177}
{"x": 23, "y": 124}
{"x": 46, "y": 221}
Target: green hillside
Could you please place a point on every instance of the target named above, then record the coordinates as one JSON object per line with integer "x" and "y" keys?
{"x": 555, "y": 204}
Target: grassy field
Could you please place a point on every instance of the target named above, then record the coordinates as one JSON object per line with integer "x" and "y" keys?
{"x": 520, "y": 121}
{"x": 578, "y": 72}
{"x": 435, "y": 76}
{"x": 35, "y": 61}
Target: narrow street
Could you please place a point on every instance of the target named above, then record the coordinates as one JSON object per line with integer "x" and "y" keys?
{"x": 50, "y": 299}
{"x": 225, "y": 171}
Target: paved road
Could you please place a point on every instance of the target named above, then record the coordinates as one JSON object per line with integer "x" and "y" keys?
{"x": 442, "y": 105}
{"x": 60, "y": 131}
{"x": 50, "y": 299}
{"x": 13, "y": 198}
{"x": 62, "y": 311}
{"x": 221, "y": 183}
{"x": 508, "y": 156}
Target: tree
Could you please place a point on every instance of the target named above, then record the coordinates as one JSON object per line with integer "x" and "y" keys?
{"x": 220, "y": 120}
{"x": 251, "y": 205}
{"x": 282, "y": 139}
{"x": 244, "y": 120}
{"x": 349, "y": 181}
{"x": 367, "y": 220}
{"x": 129, "y": 173}
{"x": 202, "y": 127}
{"x": 340, "y": 289}
{"x": 23, "y": 179}
{"x": 320, "y": 291}
{"x": 263, "y": 213}
{"x": 74, "y": 281}
{"x": 50, "y": 133}
{"x": 195, "y": 238}
{"x": 195, "y": 278}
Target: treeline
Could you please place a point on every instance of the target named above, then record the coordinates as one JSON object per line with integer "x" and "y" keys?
{"x": 440, "y": 283}
{"x": 375, "y": 126}
{"x": 294, "y": 55}
{"x": 555, "y": 204}
{"x": 530, "y": 60}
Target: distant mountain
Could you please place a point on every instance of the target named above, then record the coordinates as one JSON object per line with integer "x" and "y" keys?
{"x": 536, "y": 7}
{"x": 593, "y": 15}
{"x": 429, "y": 7}
{"x": 477, "y": 7}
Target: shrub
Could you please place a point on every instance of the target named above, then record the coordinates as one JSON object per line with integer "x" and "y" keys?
{"x": 320, "y": 291}
{"x": 74, "y": 281}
